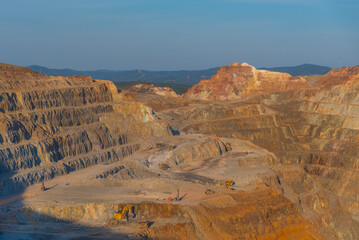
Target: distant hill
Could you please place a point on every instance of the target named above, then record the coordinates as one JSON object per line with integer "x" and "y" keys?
{"x": 183, "y": 77}
{"x": 305, "y": 69}
{"x": 187, "y": 77}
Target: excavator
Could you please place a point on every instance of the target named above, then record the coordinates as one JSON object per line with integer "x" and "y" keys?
{"x": 126, "y": 212}
{"x": 43, "y": 188}
{"x": 228, "y": 184}
{"x": 228, "y": 146}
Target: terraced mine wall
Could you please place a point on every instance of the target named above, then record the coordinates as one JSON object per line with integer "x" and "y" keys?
{"x": 313, "y": 131}
{"x": 258, "y": 214}
{"x": 51, "y": 126}
{"x": 303, "y": 187}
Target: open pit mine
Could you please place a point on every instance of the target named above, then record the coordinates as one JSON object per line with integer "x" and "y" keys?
{"x": 246, "y": 154}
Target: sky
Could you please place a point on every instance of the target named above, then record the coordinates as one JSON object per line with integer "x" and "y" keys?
{"x": 178, "y": 34}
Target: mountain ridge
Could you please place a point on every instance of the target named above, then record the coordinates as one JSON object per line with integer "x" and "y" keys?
{"x": 300, "y": 70}
{"x": 187, "y": 77}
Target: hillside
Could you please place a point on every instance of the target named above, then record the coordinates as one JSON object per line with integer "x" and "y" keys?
{"x": 248, "y": 154}
{"x": 313, "y": 132}
{"x": 240, "y": 80}
{"x": 185, "y": 77}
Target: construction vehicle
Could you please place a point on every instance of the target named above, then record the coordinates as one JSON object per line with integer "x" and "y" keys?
{"x": 125, "y": 214}
{"x": 177, "y": 198}
{"x": 228, "y": 184}
{"x": 43, "y": 188}
{"x": 228, "y": 146}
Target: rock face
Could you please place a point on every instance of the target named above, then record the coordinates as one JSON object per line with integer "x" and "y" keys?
{"x": 339, "y": 76}
{"x": 240, "y": 80}
{"x": 258, "y": 214}
{"x": 312, "y": 131}
{"x": 253, "y": 215}
{"x": 54, "y": 125}
{"x": 290, "y": 148}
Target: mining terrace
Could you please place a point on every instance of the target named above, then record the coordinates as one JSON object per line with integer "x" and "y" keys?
{"x": 246, "y": 154}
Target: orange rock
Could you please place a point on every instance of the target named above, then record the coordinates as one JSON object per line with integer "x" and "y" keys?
{"x": 240, "y": 80}
{"x": 339, "y": 76}
{"x": 259, "y": 214}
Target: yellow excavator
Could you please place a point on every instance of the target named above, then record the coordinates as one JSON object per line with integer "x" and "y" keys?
{"x": 228, "y": 146}
{"x": 124, "y": 214}
{"x": 228, "y": 184}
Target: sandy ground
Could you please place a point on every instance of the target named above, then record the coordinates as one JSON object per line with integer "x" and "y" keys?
{"x": 148, "y": 184}
{"x": 83, "y": 187}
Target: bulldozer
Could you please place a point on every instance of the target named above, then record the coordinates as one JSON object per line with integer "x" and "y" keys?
{"x": 125, "y": 214}
{"x": 228, "y": 184}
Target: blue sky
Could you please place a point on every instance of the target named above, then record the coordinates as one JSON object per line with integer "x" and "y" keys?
{"x": 178, "y": 34}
